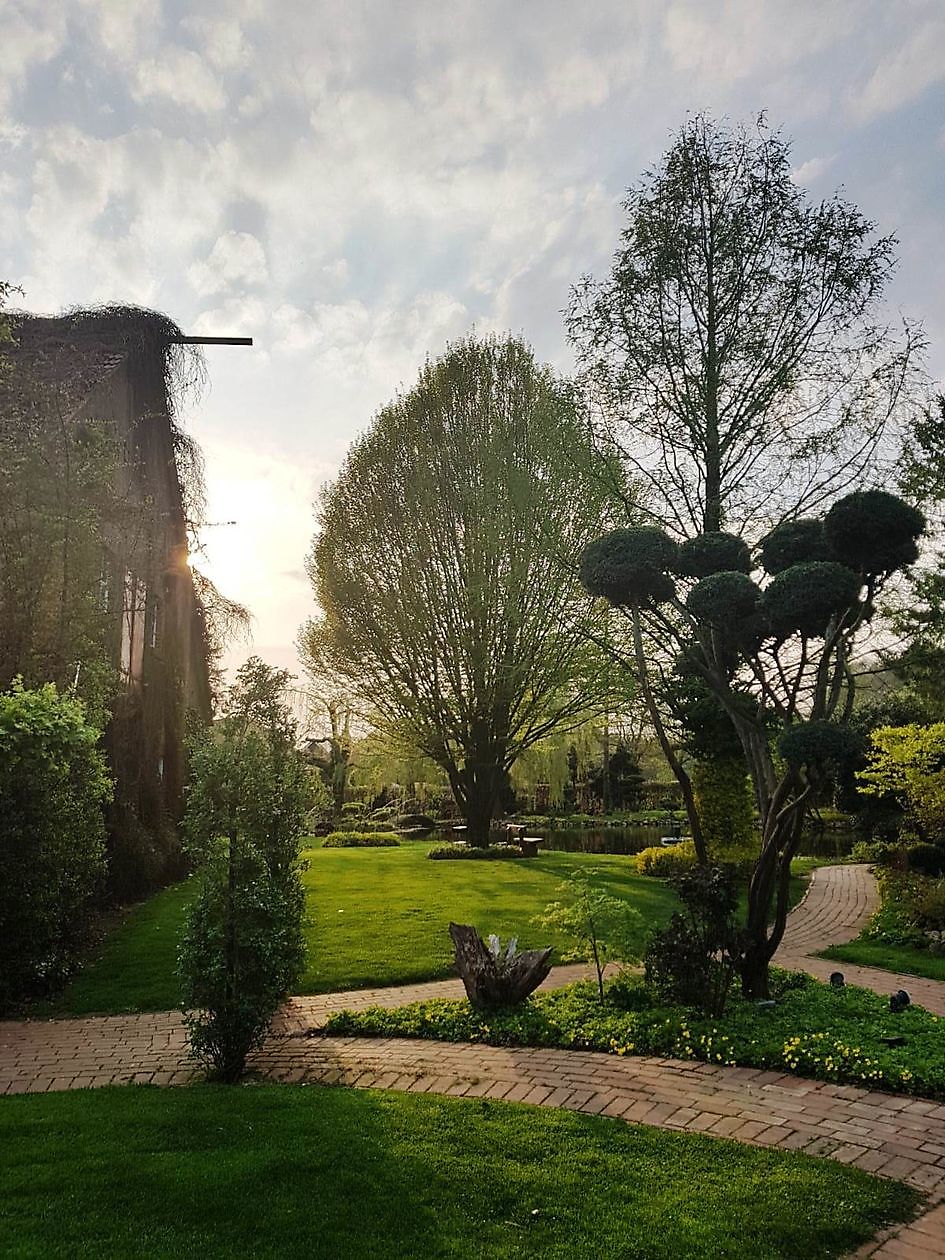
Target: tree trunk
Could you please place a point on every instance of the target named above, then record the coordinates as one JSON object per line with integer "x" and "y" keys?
{"x": 496, "y": 981}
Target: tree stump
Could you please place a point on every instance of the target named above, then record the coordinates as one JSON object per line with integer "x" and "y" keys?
{"x": 494, "y": 980}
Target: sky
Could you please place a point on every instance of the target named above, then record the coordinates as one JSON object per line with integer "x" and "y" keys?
{"x": 354, "y": 184}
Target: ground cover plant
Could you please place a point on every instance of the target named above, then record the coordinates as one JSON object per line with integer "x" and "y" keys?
{"x": 813, "y": 1030}
{"x": 372, "y": 918}
{"x": 289, "y": 1171}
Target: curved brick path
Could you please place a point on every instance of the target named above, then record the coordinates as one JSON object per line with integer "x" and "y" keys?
{"x": 893, "y": 1136}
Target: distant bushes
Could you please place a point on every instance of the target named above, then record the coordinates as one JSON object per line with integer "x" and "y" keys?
{"x": 53, "y": 787}
{"x": 360, "y": 840}
{"x": 461, "y": 852}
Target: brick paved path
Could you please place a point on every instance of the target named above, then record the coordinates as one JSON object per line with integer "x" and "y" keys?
{"x": 839, "y": 902}
{"x": 893, "y": 1136}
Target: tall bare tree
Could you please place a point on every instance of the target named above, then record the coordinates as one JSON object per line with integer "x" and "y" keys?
{"x": 737, "y": 355}
{"x": 445, "y": 566}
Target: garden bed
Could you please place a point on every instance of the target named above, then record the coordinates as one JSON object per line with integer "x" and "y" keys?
{"x": 813, "y": 1030}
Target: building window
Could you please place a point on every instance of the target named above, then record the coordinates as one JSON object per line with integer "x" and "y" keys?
{"x": 152, "y": 636}
{"x": 134, "y": 606}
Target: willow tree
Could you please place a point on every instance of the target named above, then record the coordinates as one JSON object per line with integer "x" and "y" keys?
{"x": 445, "y": 566}
{"x": 737, "y": 353}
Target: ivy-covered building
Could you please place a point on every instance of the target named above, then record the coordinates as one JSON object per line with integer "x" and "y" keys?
{"x": 96, "y": 590}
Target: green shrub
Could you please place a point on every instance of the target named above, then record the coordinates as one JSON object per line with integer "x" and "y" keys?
{"x": 474, "y": 853}
{"x": 804, "y": 597}
{"x": 360, "y": 840}
{"x": 723, "y": 600}
{"x": 793, "y": 542}
{"x": 926, "y": 859}
{"x": 713, "y": 553}
{"x": 930, "y": 906}
{"x": 53, "y": 786}
{"x": 629, "y": 566}
{"x": 249, "y": 795}
{"x": 665, "y": 862}
{"x": 602, "y": 927}
{"x": 692, "y": 960}
{"x": 874, "y": 531}
{"x": 879, "y": 852}
{"x": 353, "y": 809}
{"x": 895, "y": 922}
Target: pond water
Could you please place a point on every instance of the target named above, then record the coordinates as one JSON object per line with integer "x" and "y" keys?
{"x": 815, "y": 843}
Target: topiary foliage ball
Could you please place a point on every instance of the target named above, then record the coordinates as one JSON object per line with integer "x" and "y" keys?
{"x": 723, "y": 600}
{"x": 804, "y": 598}
{"x": 873, "y": 531}
{"x": 817, "y": 745}
{"x": 713, "y": 553}
{"x": 793, "y": 542}
{"x": 629, "y": 566}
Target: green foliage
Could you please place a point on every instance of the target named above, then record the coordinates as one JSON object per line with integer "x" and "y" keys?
{"x": 471, "y": 488}
{"x": 717, "y": 552}
{"x": 361, "y": 840}
{"x": 819, "y": 745}
{"x": 664, "y": 862}
{"x": 474, "y": 852}
{"x": 243, "y": 947}
{"x": 692, "y": 960}
{"x": 630, "y": 566}
{"x": 805, "y": 597}
{"x": 926, "y": 859}
{"x": 289, "y": 1172}
{"x": 813, "y": 1030}
{"x": 604, "y": 928}
{"x": 723, "y": 600}
{"x": 794, "y": 542}
{"x": 726, "y": 808}
{"x": 53, "y": 786}
{"x": 873, "y": 531}
{"x": 909, "y": 763}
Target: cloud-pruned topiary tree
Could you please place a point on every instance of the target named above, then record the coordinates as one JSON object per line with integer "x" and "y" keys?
{"x": 790, "y": 673}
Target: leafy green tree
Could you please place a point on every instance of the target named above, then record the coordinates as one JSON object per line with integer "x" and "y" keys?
{"x": 53, "y": 785}
{"x": 604, "y": 928}
{"x": 243, "y": 947}
{"x": 444, "y": 566}
{"x": 738, "y": 358}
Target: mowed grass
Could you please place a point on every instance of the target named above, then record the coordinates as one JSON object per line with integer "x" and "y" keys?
{"x": 374, "y": 917}
{"x": 285, "y": 1171}
{"x": 911, "y": 962}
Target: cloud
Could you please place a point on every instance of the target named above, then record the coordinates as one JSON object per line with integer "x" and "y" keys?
{"x": 178, "y": 75}
{"x": 813, "y": 169}
{"x": 222, "y": 42}
{"x": 30, "y": 35}
{"x": 237, "y": 260}
{"x": 903, "y": 74}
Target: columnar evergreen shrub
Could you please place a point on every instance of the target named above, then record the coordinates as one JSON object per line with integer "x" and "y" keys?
{"x": 243, "y": 947}
{"x": 53, "y": 786}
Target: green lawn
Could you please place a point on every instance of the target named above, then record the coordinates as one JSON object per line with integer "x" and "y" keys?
{"x": 375, "y": 917}
{"x": 866, "y": 953}
{"x": 283, "y": 1171}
